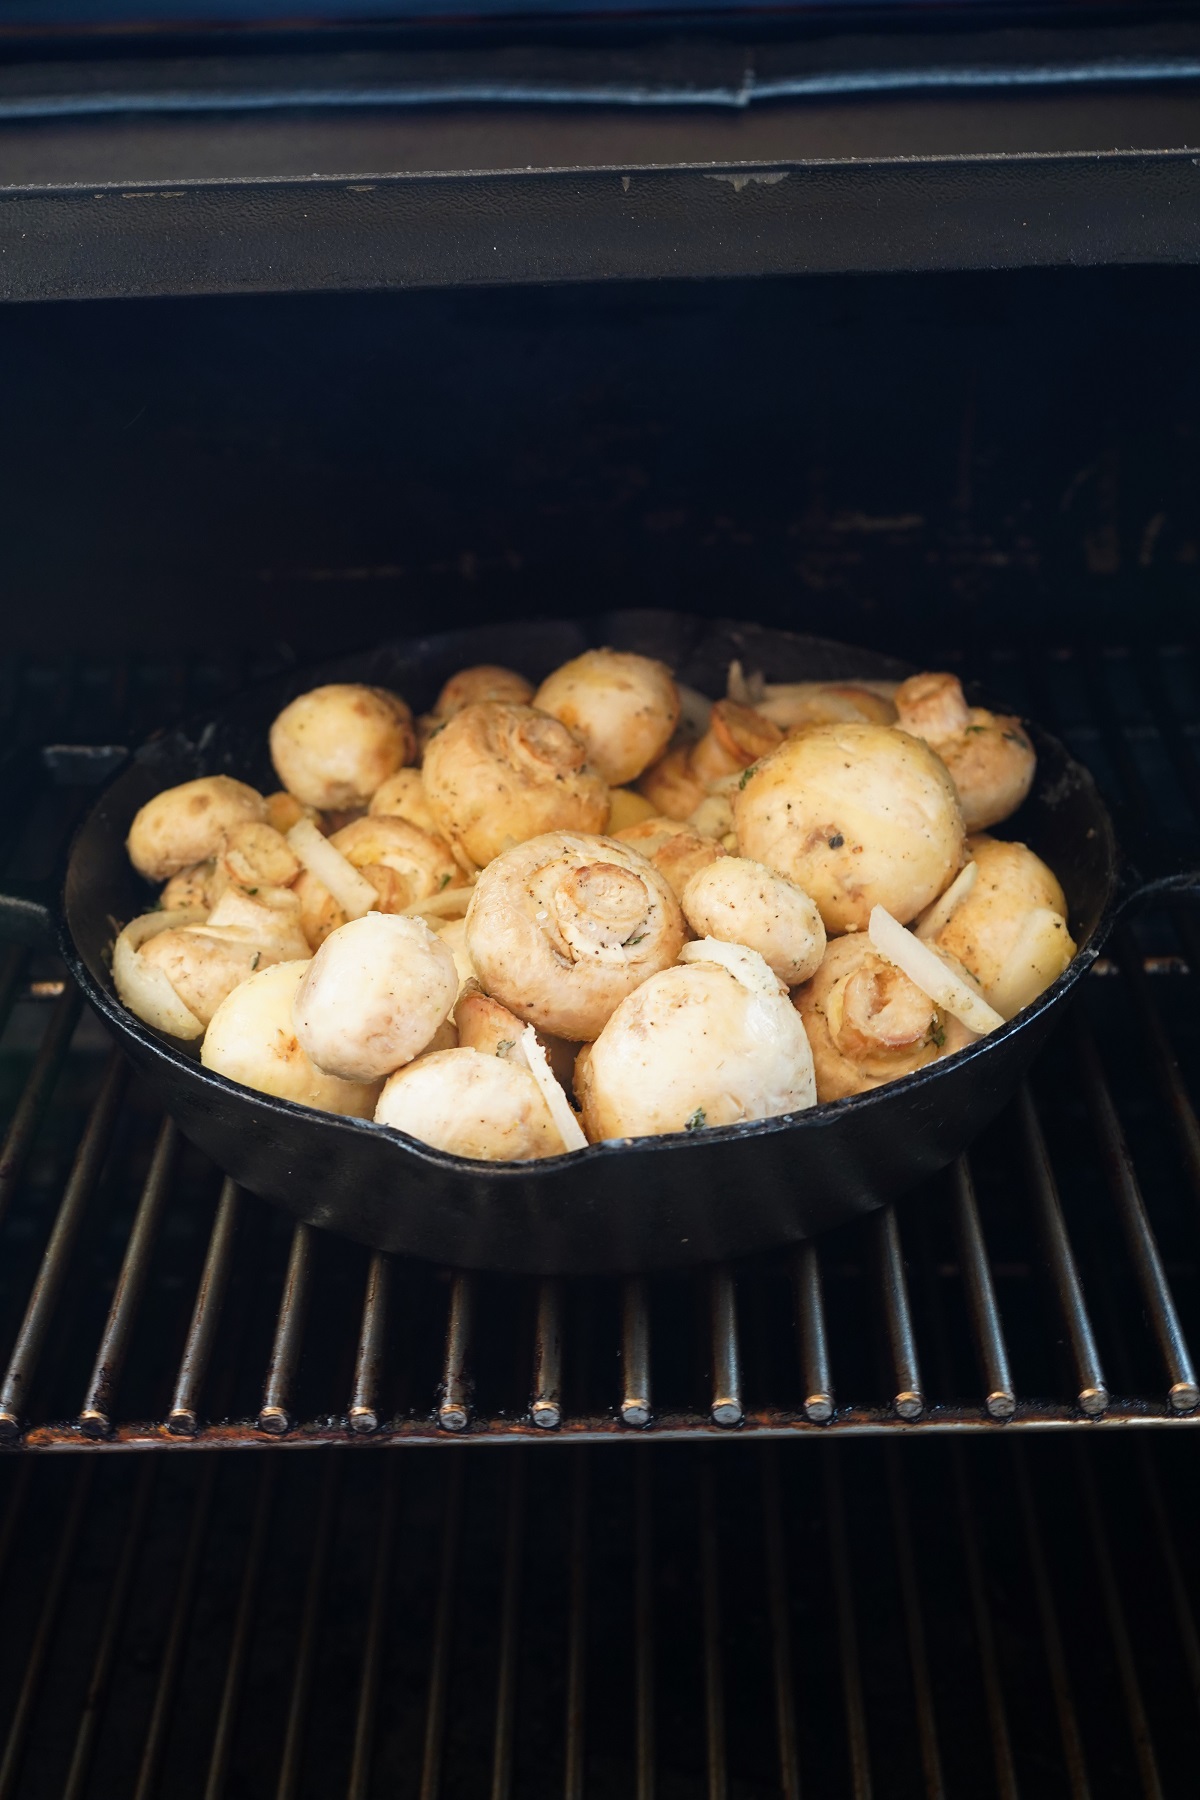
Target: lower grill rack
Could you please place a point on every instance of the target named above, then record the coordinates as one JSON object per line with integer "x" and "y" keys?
{"x": 911, "y": 1619}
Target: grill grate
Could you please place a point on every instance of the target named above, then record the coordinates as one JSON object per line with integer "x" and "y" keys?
{"x": 1008, "y": 1617}
{"x": 1049, "y": 1279}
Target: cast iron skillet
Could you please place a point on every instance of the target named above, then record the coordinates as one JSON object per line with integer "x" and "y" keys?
{"x": 638, "y": 1204}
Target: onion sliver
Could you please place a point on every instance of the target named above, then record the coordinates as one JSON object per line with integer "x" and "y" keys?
{"x": 745, "y": 965}
{"x": 144, "y": 989}
{"x": 926, "y": 970}
{"x": 938, "y": 916}
{"x": 569, "y": 1128}
{"x": 454, "y": 902}
{"x": 352, "y": 891}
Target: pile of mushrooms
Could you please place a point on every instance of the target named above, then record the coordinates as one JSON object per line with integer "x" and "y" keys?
{"x": 541, "y": 917}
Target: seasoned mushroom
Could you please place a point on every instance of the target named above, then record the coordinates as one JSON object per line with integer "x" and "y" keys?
{"x": 333, "y": 746}
{"x": 560, "y": 929}
{"x": 252, "y": 1040}
{"x": 623, "y": 707}
{"x": 373, "y": 996}
{"x": 200, "y": 886}
{"x": 483, "y": 681}
{"x": 697, "y": 1045}
{"x": 1010, "y": 928}
{"x": 499, "y": 774}
{"x": 190, "y": 824}
{"x": 483, "y": 1024}
{"x": 736, "y": 736}
{"x": 403, "y": 796}
{"x": 741, "y": 902}
{"x": 856, "y": 815}
{"x": 868, "y": 1023}
{"x": 205, "y": 962}
{"x": 284, "y": 811}
{"x": 676, "y": 851}
{"x": 470, "y": 1104}
{"x": 990, "y": 759}
{"x": 403, "y": 864}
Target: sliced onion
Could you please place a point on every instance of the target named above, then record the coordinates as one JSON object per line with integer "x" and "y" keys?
{"x": 938, "y": 916}
{"x": 695, "y": 711}
{"x": 451, "y": 904}
{"x": 927, "y": 969}
{"x": 352, "y": 891}
{"x": 745, "y": 690}
{"x": 569, "y": 1128}
{"x": 1042, "y": 950}
{"x": 747, "y": 966}
{"x": 144, "y": 989}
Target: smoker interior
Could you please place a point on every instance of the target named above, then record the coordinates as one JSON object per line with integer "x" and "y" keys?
{"x": 992, "y": 473}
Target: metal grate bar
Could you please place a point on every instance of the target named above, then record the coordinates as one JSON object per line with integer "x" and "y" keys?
{"x": 35, "y": 1664}
{"x": 1139, "y": 1724}
{"x": 172, "y": 1651}
{"x": 985, "y": 1633}
{"x": 1157, "y": 1298}
{"x": 47, "y": 1066}
{"x": 363, "y": 1411}
{"x": 918, "y": 1660}
{"x": 1060, "y": 1681}
{"x": 1000, "y": 1400}
{"x": 847, "y": 1631}
{"x": 443, "y": 1632}
{"x": 1168, "y": 1077}
{"x": 545, "y": 1405}
{"x": 510, "y": 1623}
{"x": 813, "y": 1343}
{"x": 1093, "y": 1390}
{"x": 243, "y": 1625}
{"x": 726, "y": 1406}
{"x": 909, "y": 1396}
{"x": 368, "y": 1691}
{"x": 206, "y": 1313}
{"x": 636, "y": 1400}
{"x": 95, "y": 1413}
{"x": 310, "y": 1620}
{"x": 781, "y": 1635}
{"x": 643, "y": 1626}
{"x": 274, "y": 1415}
{"x": 114, "y": 1618}
{"x": 454, "y": 1409}
{"x": 85, "y": 1172}
{"x": 714, "y": 1687}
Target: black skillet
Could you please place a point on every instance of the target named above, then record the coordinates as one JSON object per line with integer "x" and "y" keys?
{"x": 639, "y": 1204}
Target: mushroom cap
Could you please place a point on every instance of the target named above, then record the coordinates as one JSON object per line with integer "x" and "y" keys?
{"x": 243, "y": 933}
{"x": 984, "y": 929}
{"x": 857, "y": 816}
{"x": 676, "y": 851}
{"x": 252, "y": 1040}
{"x": 990, "y": 759}
{"x": 190, "y": 824}
{"x": 373, "y": 996}
{"x": 333, "y": 746}
{"x": 482, "y": 681}
{"x": 741, "y": 902}
{"x": 498, "y": 774}
{"x": 257, "y": 855}
{"x": 671, "y": 785}
{"x": 562, "y": 928}
{"x": 469, "y": 1104}
{"x": 694, "y": 1046}
{"x": 623, "y": 707}
{"x": 868, "y": 1023}
{"x": 402, "y": 796}
{"x": 737, "y": 735}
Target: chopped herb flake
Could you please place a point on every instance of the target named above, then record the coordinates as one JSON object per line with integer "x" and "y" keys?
{"x": 695, "y": 1121}
{"x": 257, "y": 955}
{"x": 938, "y": 1035}
{"x": 443, "y": 883}
{"x": 746, "y": 774}
{"x": 972, "y": 728}
{"x": 836, "y": 841}
{"x": 629, "y": 942}
{"x": 504, "y": 1046}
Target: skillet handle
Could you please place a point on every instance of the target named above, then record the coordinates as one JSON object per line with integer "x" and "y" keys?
{"x": 1168, "y": 865}
{"x": 28, "y": 908}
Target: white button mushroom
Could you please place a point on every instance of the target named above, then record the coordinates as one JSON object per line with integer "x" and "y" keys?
{"x": 742, "y": 902}
{"x": 857, "y": 816}
{"x": 403, "y": 796}
{"x": 190, "y": 824}
{"x": 402, "y": 863}
{"x": 499, "y": 774}
{"x": 560, "y": 929}
{"x": 482, "y": 681}
{"x": 697, "y": 1045}
{"x": 1010, "y": 927}
{"x": 736, "y": 737}
{"x": 373, "y": 996}
{"x": 624, "y": 708}
{"x": 676, "y": 851}
{"x": 252, "y": 1040}
{"x": 205, "y": 962}
{"x": 470, "y": 1104}
{"x": 333, "y": 746}
{"x": 990, "y": 759}
{"x": 868, "y": 1023}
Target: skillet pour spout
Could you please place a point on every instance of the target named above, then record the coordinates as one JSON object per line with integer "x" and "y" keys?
{"x": 616, "y": 1207}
